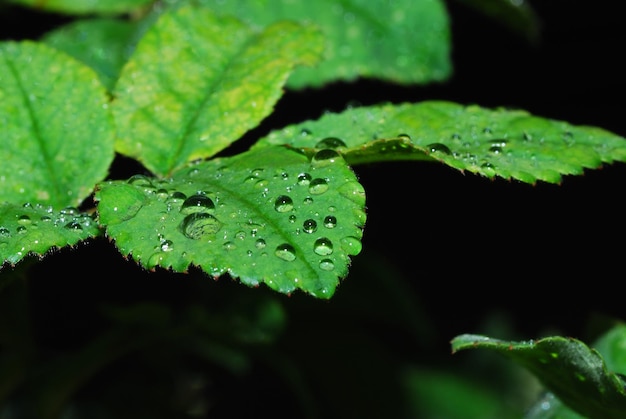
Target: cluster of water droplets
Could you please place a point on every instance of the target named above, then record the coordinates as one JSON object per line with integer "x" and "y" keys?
{"x": 38, "y": 217}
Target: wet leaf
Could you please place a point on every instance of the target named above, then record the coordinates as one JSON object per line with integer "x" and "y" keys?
{"x": 512, "y": 144}
{"x": 404, "y": 41}
{"x": 197, "y": 81}
{"x": 57, "y": 133}
{"x": 36, "y": 229}
{"x": 272, "y": 216}
{"x": 574, "y": 372}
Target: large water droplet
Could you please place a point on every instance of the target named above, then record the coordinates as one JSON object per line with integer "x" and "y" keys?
{"x": 286, "y": 252}
{"x": 197, "y": 203}
{"x": 323, "y": 246}
{"x": 304, "y": 179}
{"x": 330, "y": 142}
{"x": 324, "y": 157}
{"x": 327, "y": 265}
{"x": 198, "y": 225}
{"x": 283, "y": 204}
{"x": 330, "y": 221}
{"x": 318, "y": 186}
{"x": 309, "y": 226}
{"x": 438, "y": 148}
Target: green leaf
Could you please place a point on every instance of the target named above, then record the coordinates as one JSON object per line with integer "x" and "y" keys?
{"x": 57, "y": 132}
{"x": 197, "y": 82}
{"x": 85, "y": 6}
{"x": 103, "y": 44}
{"x": 405, "y": 41}
{"x": 271, "y": 216}
{"x": 512, "y": 144}
{"x": 575, "y": 373}
{"x": 35, "y": 229}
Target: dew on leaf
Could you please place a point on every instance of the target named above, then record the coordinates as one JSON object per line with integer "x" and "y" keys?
{"x": 45, "y": 218}
{"x": 305, "y": 132}
{"x": 24, "y": 220}
{"x": 197, "y": 203}
{"x": 324, "y": 157}
{"x": 21, "y": 230}
{"x": 286, "y": 252}
{"x": 198, "y": 225}
{"x": 69, "y": 211}
{"x": 240, "y": 235}
{"x": 260, "y": 244}
{"x": 307, "y": 200}
{"x": 292, "y": 218}
{"x": 140, "y": 180}
{"x": 330, "y": 221}
{"x": 327, "y": 265}
{"x": 176, "y": 197}
{"x": 318, "y": 186}
{"x": 162, "y": 194}
{"x": 283, "y": 204}
{"x": 330, "y": 143}
{"x": 309, "y": 226}
{"x": 73, "y": 225}
{"x": 323, "y": 246}
{"x": 404, "y": 137}
{"x": 167, "y": 246}
{"x": 229, "y": 245}
{"x": 304, "y": 179}
{"x": 4, "y": 233}
{"x": 351, "y": 245}
{"x": 438, "y": 148}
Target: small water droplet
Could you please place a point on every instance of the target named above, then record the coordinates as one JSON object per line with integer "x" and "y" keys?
{"x": 240, "y": 235}
{"x": 229, "y": 246}
{"x": 197, "y": 203}
{"x": 323, "y": 246}
{"x": 175, "y": 198}
{"x": 292, "y": 218}
{"x": 318, "y": 186}
{"x": 21, "y": 229}
{"x": 330, "y": 143}
{"x": 330, "y": 221}
{"x": 404, "y": 137}
{"x": 167, "y": 246}
{"x": 4, "y": 233}
{"x": 438, "y": 148}
{"x": 286, "y": 252}
{"x": 305, "y": 132}
{"x": 309, "y": 226}
{"x": 69, "y": 211}
{"x": 283, "y": 204}
{"x": 73, "y": 225}
{"x": 327, "y": 265}
{"x": 304, "y": 179}
{"x": 307, "y": 200}
{"x": 260, "y": 244}
{"x": 162, "y": 194}
{"x": 24, "y": 220}
{"x": 198, "y": 225}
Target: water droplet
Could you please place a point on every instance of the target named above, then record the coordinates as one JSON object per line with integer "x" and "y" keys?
{"x": 200, "y": 225}
{"x": 69, "y": 211}
{"x": 304, "y": 179}
{"x": 324, "y": 157}
{"x": 307, "y": 200}
{"x": 292, "y": 218}
{"x": 283, "y": 203}
{"x": 404, "y": 137}
{"x": 162, "y": 194}
{"x": 24, "y": 220}
{"x": 4, "y": 233}
{"x": 327, "y": 265}
{"x": 229, "y": 246}
{"x": 240, "y": 235}
{"x": 438, "y": 148}
{"x": 309, "y": 226}
{"x": 73, "y": 225}
{"x": 330, "y": 221}
{"x": 318, "y": 186}
{"x": 260, "y": 244}
{"x": 167, "y": 246}
{"x": 197, "y": 203}
{"x": 175, "y": 198}
{"x": 140, "y": 180}
{"x": 330, "y": 143}
{"x": 323, "y": 246}
{"x": 21, "y": 229}
{"x": 286, "y": 252}
{"x": 351, "y": 245}
{"x": 305, "y": 132}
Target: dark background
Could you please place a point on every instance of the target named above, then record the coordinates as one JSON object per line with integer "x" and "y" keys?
{"x": 543, "y": 257}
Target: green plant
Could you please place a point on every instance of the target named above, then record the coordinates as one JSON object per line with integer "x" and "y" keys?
{"x": 168, "y": 88}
